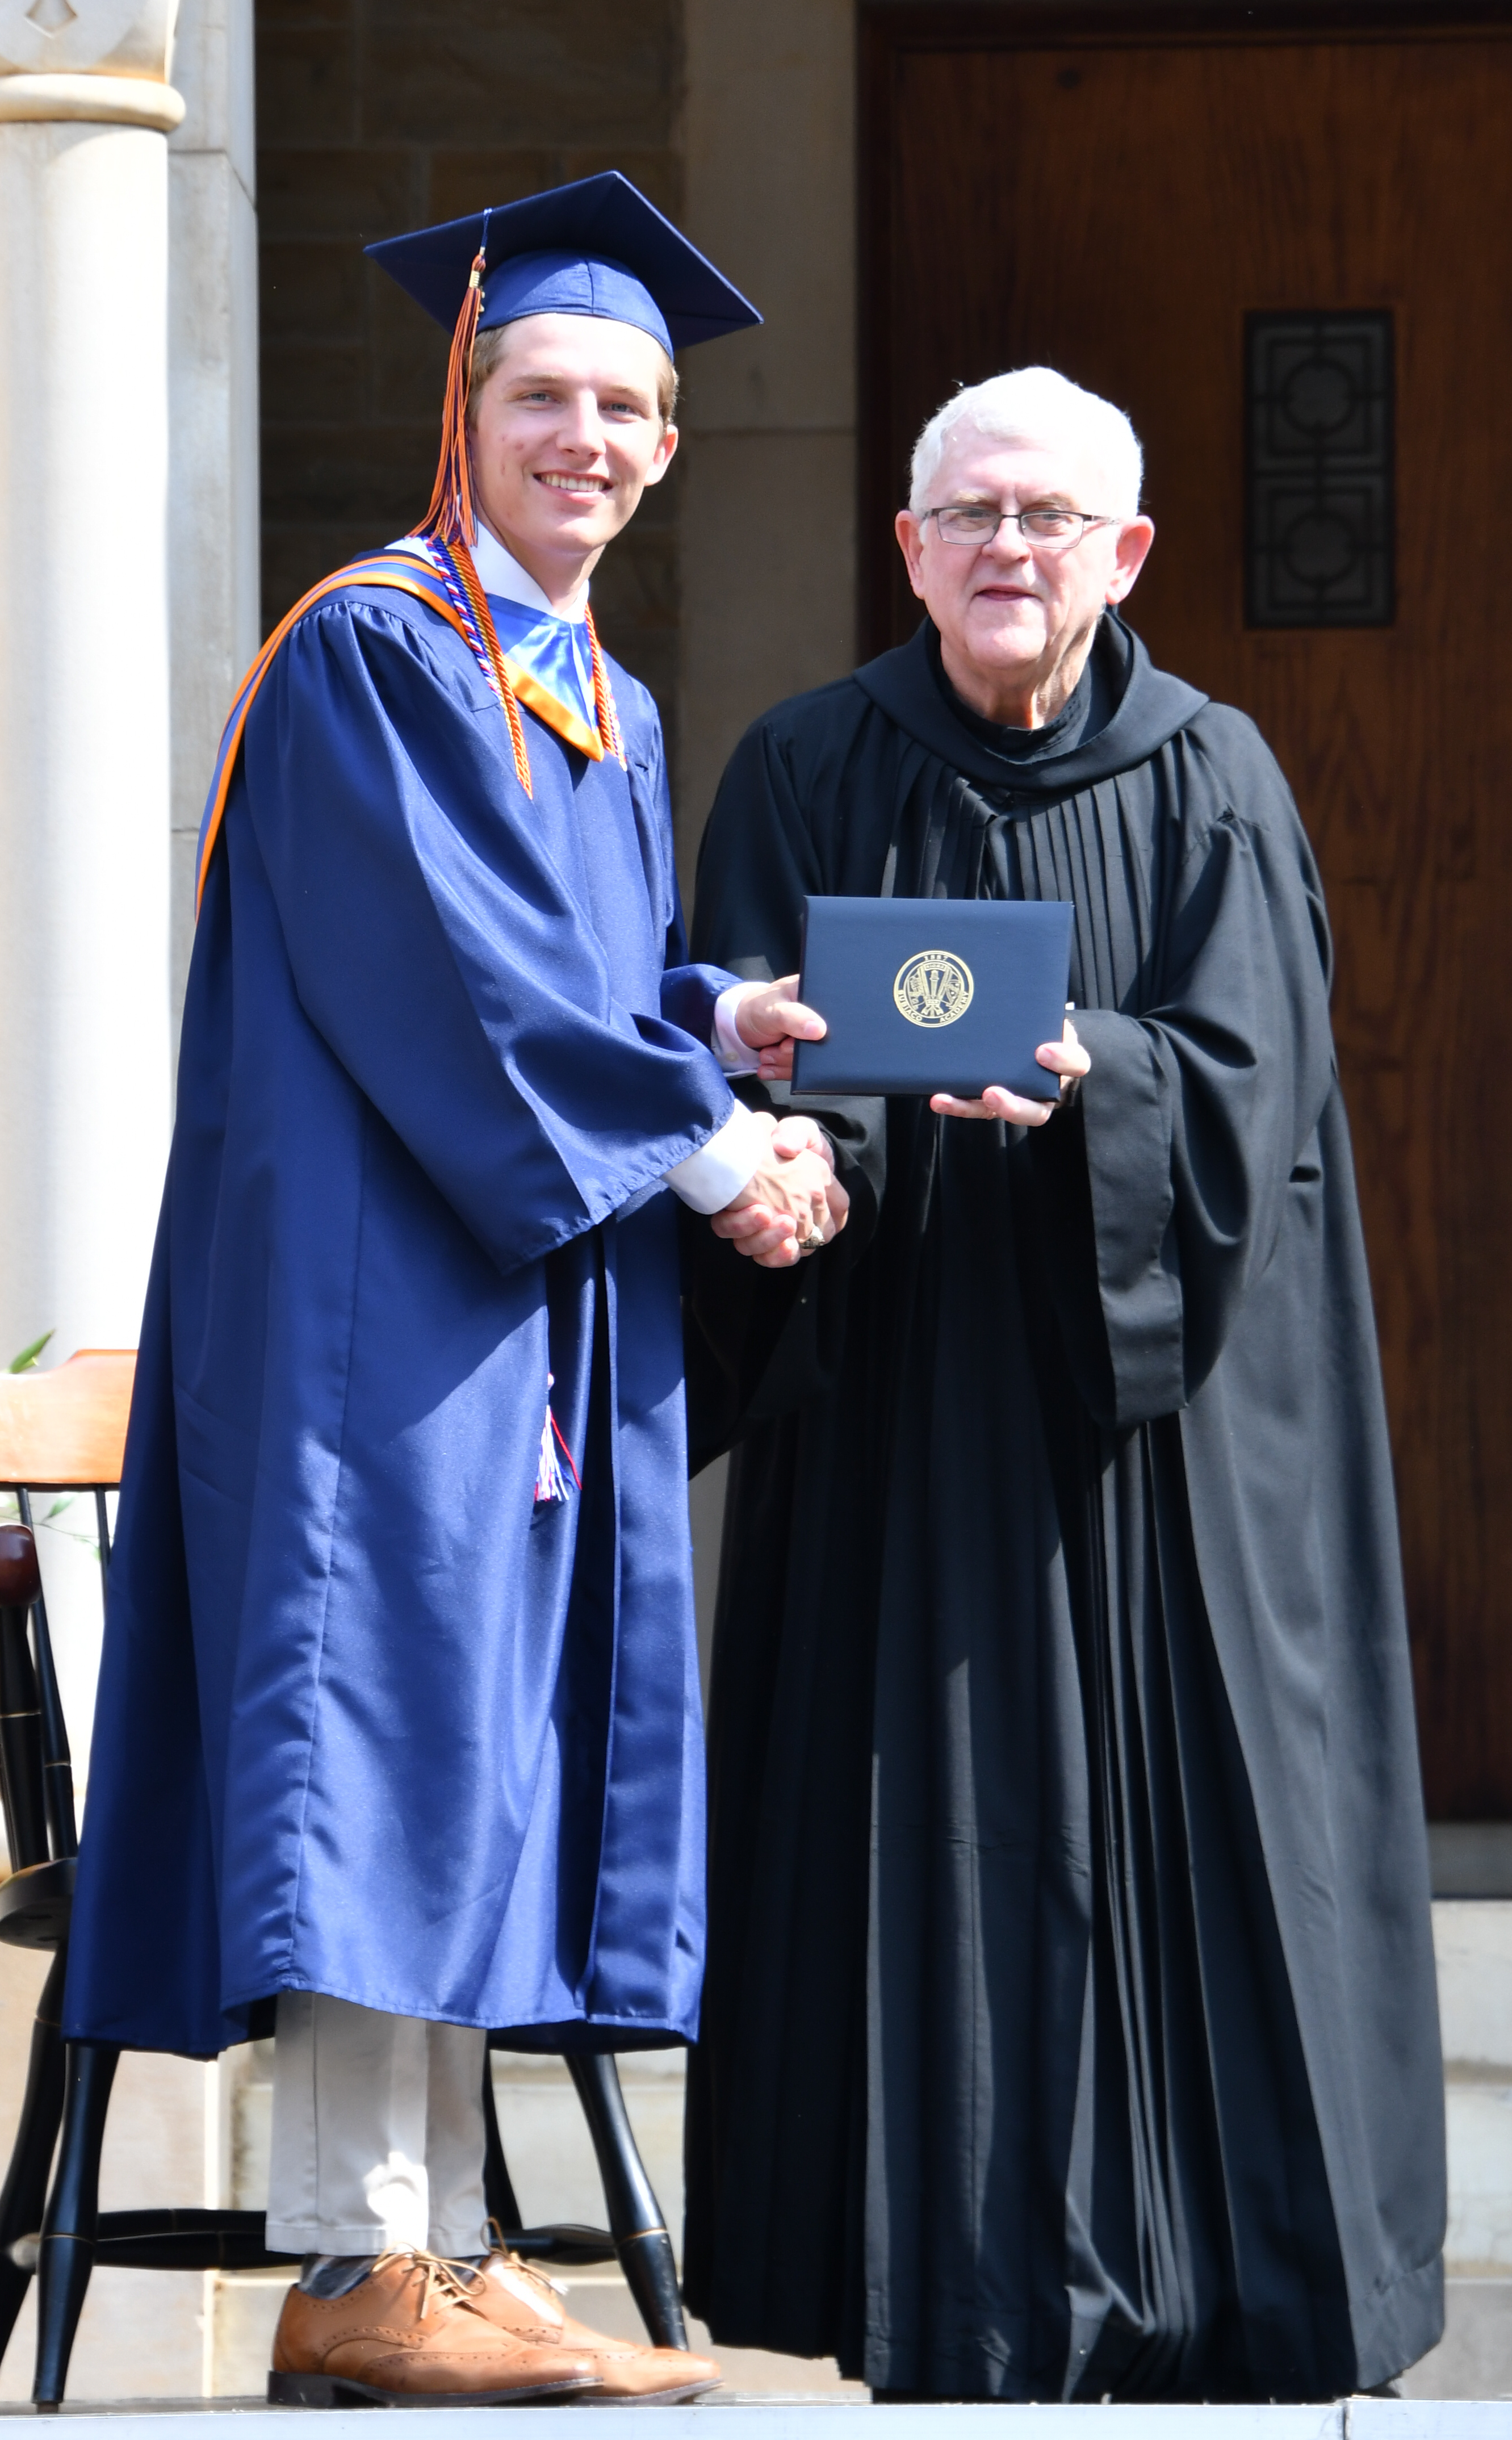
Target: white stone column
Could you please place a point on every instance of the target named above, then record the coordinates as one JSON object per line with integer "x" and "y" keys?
{"x": 214, "y": 546}
{"x": 84, "y": 109}
{"x": 128, "y": 344}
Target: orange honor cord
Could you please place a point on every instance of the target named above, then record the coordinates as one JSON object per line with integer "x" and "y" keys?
{"x": 461, "y": 559}
{"x": 604, "y": 699}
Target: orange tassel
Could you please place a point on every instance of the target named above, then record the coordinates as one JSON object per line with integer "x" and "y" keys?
{"x": 451, "y": 518}
{"x": 450, "y": 513}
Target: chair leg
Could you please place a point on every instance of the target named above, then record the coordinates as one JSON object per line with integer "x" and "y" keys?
{"x": 639, "y": 2233}
{"x": 498, "y": 2193}
{"x": 67, "y": 2254}
{"x": 24, "y": 2194}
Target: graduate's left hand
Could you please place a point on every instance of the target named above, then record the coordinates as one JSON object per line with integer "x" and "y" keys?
{"x": 1065, "y": 1059}
{"x": 770, "y": 1018}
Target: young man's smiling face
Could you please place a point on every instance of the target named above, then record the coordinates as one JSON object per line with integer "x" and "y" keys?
{"x": 567, "y": 432}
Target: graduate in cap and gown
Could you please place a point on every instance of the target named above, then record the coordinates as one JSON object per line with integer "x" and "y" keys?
{"x": 1070, "y": 2027}
{"x": 398, "y": 1724}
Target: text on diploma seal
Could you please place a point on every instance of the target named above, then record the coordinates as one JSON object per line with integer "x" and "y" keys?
{"x": 934, "y": 988}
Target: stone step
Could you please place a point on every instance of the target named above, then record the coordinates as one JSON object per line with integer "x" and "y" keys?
{"x": 1360, "y": 2418}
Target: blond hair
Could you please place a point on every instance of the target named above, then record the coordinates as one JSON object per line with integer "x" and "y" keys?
{"x": 488, "y": 353}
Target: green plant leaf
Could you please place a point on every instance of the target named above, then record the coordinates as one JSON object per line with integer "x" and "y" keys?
{"x": 26, "y": 1360}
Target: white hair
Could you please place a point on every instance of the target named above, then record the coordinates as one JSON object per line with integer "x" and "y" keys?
{"x": 1040, "y": 407}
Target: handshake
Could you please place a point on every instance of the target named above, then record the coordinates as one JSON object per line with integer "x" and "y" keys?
{"x": 793, "y": 1204}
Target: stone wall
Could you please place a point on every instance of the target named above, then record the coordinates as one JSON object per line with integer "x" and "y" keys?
{"x": 769, "y": 517}
{"x": 378, "y": 115}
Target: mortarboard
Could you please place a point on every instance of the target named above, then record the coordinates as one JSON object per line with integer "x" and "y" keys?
{"x": 596, "y": 247}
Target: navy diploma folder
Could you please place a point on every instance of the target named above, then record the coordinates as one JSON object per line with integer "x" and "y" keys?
{"x": 932, "y": 995}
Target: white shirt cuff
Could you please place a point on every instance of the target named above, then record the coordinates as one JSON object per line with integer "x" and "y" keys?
{"x": 713, "y": 1175}
{"x": 736, "y": 1057}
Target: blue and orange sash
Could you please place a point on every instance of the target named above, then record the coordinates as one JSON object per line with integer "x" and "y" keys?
{"x": 446, "y": 582}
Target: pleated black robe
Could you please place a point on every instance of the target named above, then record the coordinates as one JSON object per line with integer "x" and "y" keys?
{"x": 1070, "y": 2027}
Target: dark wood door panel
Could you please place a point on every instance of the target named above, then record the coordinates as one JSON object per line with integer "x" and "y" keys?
{"x": 1116, "y": 211}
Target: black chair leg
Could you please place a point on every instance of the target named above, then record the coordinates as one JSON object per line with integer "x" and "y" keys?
{"x": 67, "y": 2254}
{"x": 639, "y": 2233}
{"x": 24, "y": 2194}
{"x": 498, "y": 2194}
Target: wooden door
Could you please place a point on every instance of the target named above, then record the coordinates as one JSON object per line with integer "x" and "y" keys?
{"x": 1116, "y": 203}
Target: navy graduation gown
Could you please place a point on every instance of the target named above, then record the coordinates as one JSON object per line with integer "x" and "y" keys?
{"x": 372, "y": 1721}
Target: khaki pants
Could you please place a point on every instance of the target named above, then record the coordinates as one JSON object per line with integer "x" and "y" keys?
{"x": 377, "y": 2131}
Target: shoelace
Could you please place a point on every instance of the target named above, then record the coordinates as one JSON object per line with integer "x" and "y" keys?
{"x": 445, "y": 2278}
{"x": 526, "y": 2270}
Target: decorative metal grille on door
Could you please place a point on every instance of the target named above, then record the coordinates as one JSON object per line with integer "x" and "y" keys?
{"x": 1319, "y": 470}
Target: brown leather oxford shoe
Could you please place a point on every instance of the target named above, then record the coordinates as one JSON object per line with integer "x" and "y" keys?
{"x": 410, "y": 2334}
{"x": 517, "y": 2299}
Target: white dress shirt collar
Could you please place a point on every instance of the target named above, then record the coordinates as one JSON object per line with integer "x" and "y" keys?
{"x": 499, "y": 572}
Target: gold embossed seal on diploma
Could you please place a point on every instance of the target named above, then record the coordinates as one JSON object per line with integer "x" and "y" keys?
{"x": 933, "y": 988}
{"x": 907, "y": 1015}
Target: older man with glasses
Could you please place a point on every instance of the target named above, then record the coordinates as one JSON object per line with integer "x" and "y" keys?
{"x": 1069, "y": 2028}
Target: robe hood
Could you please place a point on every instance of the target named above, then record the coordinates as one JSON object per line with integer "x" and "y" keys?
{"x": 1150, "y": 708}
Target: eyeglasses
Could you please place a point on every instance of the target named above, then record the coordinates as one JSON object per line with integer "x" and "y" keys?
{"x": 973, "y": 522}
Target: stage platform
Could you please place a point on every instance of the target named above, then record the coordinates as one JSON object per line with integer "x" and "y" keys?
{"x": 798, "y": 2418}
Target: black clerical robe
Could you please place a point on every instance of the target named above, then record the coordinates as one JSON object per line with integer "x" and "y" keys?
{"x": 1070, "y": 2026}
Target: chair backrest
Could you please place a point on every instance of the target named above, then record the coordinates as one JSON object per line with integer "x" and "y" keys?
{"x": 22, "y": 1778}
{"x": 66, "y": 1428}
{"x": 62, "y": 1430}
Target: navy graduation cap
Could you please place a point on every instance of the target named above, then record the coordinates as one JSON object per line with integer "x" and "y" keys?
{"x": 596, "y": 247}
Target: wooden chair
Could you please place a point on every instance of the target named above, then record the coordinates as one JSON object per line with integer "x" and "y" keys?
{"x": 66, "y": 1429}
{"x": 637, "y": 2236}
